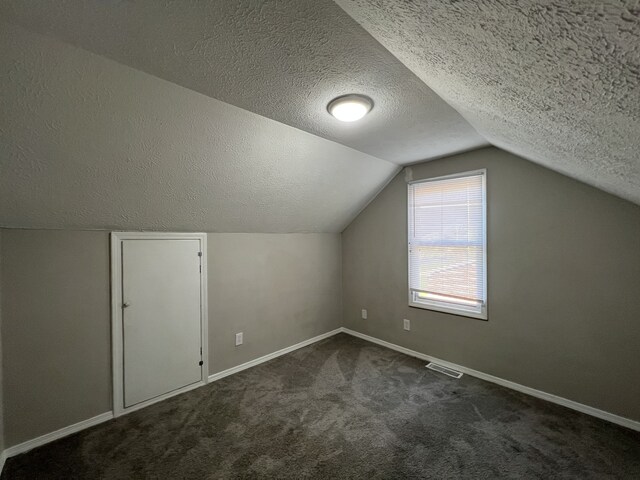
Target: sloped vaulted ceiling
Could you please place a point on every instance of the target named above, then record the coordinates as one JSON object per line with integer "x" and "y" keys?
{"x": 557, "y": 82}
{"x": 212, "y": 115}
{"x": 112, "y": 115}
{"x": 284, "y": 60}
{"x": 86, "y": 142}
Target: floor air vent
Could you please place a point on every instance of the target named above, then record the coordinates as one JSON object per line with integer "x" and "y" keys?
{"x": 447, "y": 371}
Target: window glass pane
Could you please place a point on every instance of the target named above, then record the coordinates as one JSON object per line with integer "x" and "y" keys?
{"x": 447, "y": 241}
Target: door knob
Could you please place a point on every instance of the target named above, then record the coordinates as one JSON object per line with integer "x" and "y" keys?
{"x": 126, "y": 304}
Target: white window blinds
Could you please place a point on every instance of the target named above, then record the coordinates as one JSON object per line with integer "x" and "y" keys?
{"x": 447, "y": 247}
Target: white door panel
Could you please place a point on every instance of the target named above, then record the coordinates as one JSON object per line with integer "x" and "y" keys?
{"x": 160, "y": 317}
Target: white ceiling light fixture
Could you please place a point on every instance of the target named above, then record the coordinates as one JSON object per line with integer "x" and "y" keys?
{"x": 350, "y": 108}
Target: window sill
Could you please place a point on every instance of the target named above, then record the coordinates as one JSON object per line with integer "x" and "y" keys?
{"x": 452, "y": 311}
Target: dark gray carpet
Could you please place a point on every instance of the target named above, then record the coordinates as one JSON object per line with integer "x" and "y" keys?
{"x": 343, "y": 408}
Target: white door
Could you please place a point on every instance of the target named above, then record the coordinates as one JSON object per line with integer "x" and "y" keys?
{"x": 160, "y": 317}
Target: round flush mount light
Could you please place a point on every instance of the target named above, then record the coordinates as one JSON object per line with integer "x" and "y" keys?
{"x": 349, "y": 108}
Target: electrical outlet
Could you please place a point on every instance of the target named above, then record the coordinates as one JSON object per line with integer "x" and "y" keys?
{"x": 364, "y": 314}
{"x": 239, "y": 338}
{"x": 407, "y": 324}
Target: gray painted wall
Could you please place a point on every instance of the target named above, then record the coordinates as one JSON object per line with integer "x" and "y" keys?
{"x": 56, "y": 330}
{"x": 56, "y": 314}
{"x": 277, "y": 289}
{"x": 563, "y": 283}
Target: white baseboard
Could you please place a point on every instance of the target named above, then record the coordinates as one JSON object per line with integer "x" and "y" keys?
{"x": 610, "y": 417}
{"x": 271, "y": 356}
{"x": 50, "y": 437}
{"x": 3, "y": 458}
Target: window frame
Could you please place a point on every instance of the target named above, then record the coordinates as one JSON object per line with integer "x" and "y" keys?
{"x": 443, "y": 306}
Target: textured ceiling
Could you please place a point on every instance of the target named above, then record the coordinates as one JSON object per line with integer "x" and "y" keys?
{"x": 90, "y": 143}
{"x": 281, "y": 59}
{"x": 89, "y": 140}
{"x": 557, "y": 82}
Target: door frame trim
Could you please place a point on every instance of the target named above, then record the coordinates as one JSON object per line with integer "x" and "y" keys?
{"x": 116, "y": 315}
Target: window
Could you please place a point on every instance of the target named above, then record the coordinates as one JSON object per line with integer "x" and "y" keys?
{"x": 447, "y": 244}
